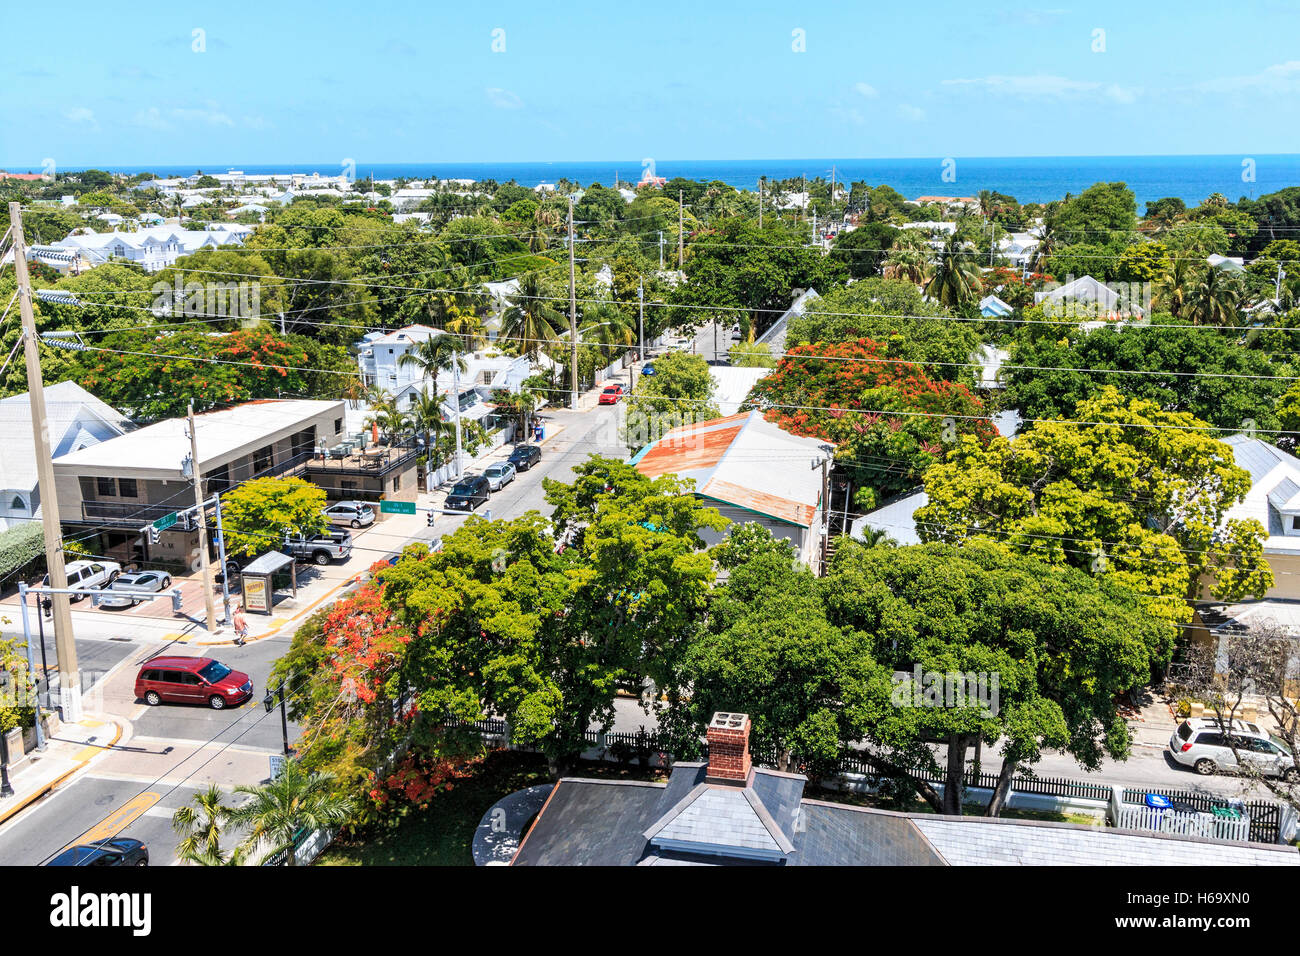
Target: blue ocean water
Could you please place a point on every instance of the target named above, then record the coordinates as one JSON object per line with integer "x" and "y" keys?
{"x": 1029, "y": 179}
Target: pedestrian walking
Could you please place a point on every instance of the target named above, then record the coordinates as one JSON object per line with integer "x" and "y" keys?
{"x": 241, "y": 626}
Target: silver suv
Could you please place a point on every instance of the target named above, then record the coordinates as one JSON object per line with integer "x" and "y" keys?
{"x": 1202, "y": 744}
{"x": 89, "y": 574}
{"x": 358, "y": 514}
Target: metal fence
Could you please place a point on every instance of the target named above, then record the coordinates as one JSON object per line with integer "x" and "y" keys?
{"x": 1264, "y": 817}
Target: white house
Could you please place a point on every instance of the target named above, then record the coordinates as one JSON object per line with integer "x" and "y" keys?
{"x": 76, "y": 420}
{"x": 153, "y": 248}
{"x": 1273, "y": 501}
{"x": 1087, "y": 296}
{"x": 379, "y": 360}
{"x": 750, "y": 470}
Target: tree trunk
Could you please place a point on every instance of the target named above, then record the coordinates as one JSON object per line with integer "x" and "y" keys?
{"x": 1008, "y": 772}
{"x": 952, "y": 789}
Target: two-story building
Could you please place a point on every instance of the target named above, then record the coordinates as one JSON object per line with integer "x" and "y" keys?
{"x": 119, "y": 486}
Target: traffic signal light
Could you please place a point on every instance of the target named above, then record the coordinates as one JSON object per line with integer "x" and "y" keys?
{"x": 154, "y": 535}
{"x": 430, "y": 521}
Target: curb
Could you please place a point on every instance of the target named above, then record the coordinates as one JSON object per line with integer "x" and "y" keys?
{"x": 53, "y": 784}
{"x": 253, "y": 639}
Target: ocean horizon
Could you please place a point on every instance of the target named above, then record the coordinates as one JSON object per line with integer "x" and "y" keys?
{"x": 1028, "y": 178}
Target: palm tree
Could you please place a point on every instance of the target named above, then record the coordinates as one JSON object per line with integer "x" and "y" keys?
{"x": 909, "y": 258}
{"x": 529, "y": 322}
{"x": 294, "y": 803}
{"x": 385, "y": 413}
{"x": 956, "y": 278}
{"x": 426, "y": 418}
{"x": 200, "y": 825}
{"x": 434, "y": 354}
{"x": 877, "y": 538}
{"x": 1214, "y": 298}
{"x": 1172, "y": 291}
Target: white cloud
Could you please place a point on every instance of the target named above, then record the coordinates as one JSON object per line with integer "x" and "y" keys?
{"x": 912, "y": 113}
{"x": 504, "y": 99}
{"x": 210, "y": 117}
{"x": 1045, "y": 86}
{"x": 80, "y": 114}
{"x": 151, "y": 119}
{"x": 866, "y": 89}
{"x": 1278, "y": 78}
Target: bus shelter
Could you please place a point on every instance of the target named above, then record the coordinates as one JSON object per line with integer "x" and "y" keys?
{"x": 255, "y": 580}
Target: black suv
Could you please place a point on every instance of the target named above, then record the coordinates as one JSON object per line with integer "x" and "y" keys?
{"x": 468, "y": 494}
{"x": 524, "y": 457}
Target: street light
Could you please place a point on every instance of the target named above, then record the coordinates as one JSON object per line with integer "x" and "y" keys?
{"x": 269, "y": 703}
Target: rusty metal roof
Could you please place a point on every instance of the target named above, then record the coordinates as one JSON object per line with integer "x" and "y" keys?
{"x": 744, "y": 461}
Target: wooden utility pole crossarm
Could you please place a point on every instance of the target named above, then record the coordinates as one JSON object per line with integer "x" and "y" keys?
{"x": 69, "y": 672}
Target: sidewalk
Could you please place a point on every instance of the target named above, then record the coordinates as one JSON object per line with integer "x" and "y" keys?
{"x": 69, "y": 748}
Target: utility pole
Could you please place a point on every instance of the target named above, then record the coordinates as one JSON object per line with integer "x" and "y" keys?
{"x": 221, "y": 546}
{"x": 640, "y": 299}
{"x": 455, "y": 387}
{"x": 1277, "y": 286}
{"x": 661, "y": 250}
{"x": 681, "y": 232}
{"x": 196, "y": 475}
{"x": 69, "y": 673}
{"x": 761, "y": 180}
{"x": 573, "y": 321}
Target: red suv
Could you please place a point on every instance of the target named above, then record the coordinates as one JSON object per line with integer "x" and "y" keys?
{"x": 610, "y": 395}
{"x": 192, "y": 680}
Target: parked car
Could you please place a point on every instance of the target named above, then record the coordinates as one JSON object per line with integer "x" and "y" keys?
{"x": 611, "y": 395}
{"x": 468, "y": 493}
{"x": 355, "y": 514}
{"x": 88, "y": 574}
{"x": 1202, "y": 744}
{"x": 524, "y": 457}
{"x": 648, "y": 369}
{"x": 126, "y": 590}
{"x": 319, "y": 548}
{"x": 499, "y": 475}
{"x": 118, "y": 851}
{"x": 192, "y": 680}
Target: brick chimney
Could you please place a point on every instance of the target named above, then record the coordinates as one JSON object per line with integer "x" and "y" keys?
{"x": 728, "y": 737}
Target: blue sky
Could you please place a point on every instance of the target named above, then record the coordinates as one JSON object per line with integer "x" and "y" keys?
{"x": 285, "y": 82}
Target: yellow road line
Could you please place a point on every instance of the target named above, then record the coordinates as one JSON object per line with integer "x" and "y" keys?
{"x": 120, "y": 819}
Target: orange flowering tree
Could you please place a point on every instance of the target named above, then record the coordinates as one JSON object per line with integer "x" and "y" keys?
{"x": 888, "y": 419}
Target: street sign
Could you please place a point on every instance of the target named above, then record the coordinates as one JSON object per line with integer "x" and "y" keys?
{"x": 165, "y": 522}
{"x": 277, "y": 765}
{"x": 397, "y": 507}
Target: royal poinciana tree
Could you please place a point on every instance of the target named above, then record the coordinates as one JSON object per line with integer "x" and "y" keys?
{"x": 889, "y": 420}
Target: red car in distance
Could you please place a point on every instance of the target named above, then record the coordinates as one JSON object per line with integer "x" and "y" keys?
{"x": 611, "y": 395}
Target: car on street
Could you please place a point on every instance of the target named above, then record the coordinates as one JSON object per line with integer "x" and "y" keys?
{"x": 321, "y": 549}
{"x": 192, "y": 680}
{"x": 524, "y": 457}
{"x": 88, "y": 574}
{"x": 130, "y": 588}
{"x": 648, "y": 369}
{"x": 611, "y": 395}
{"x": 499, "y": 474}
{"x": 1202, "y": 744}
{"x": 354, "y": 514}
{"x": 468, "y": 494}
{"x": 118, "y": 851}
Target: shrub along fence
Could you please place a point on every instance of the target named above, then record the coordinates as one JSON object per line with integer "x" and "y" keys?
{"x": 645, "y": 747}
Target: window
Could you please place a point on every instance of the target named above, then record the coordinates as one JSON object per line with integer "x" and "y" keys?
{"x": 338, "y": 425}
{"x": 397, "y": 482}
{"x": 348, "y": 485}
{"x": 1295, "y": 523}
{"x": 126, "y": 488}
{"x": 105, "y": 487}
{"x": 17, "y": 505}
{"x": 263, "y": 458}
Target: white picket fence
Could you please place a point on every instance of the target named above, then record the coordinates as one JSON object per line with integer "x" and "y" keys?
{"x": 1136, "y": 816}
